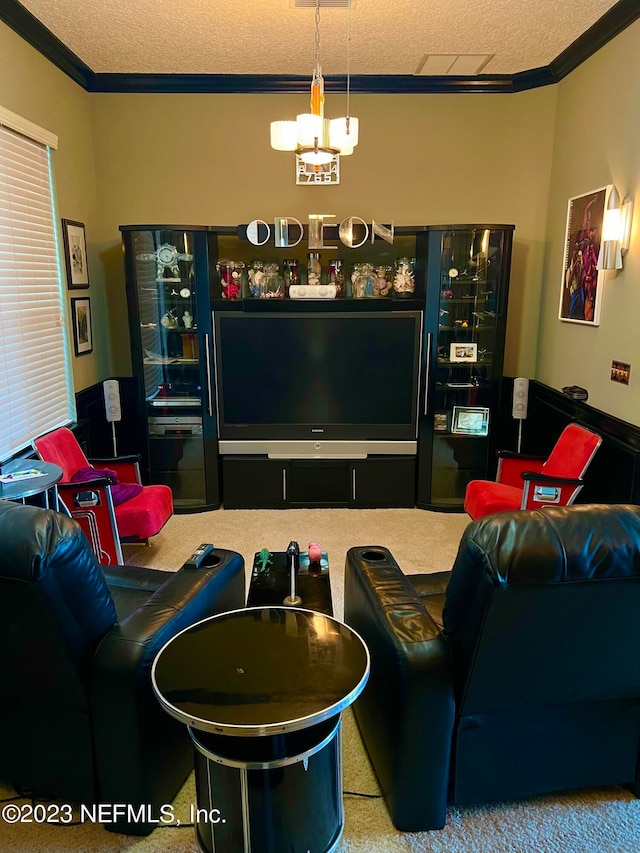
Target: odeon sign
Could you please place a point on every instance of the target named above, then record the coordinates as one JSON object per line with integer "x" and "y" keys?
{"x": 288, "y": 231}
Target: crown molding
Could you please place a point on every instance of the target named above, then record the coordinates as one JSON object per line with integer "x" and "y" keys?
{"x": 37, "y": 35}
{"x": 611, "y": 24}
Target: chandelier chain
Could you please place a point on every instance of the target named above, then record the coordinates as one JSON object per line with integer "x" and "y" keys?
{"x": 317, "y": 35}
{"x": 348, "y": 59}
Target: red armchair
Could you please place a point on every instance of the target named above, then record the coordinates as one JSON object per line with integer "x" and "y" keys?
{"x": 530, "y": 482}
{"x": 90, "y": 500}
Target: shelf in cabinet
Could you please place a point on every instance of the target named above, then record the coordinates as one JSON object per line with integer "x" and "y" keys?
{"x": 172, "y": 360}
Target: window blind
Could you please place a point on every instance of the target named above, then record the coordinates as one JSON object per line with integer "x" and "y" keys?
{"x": 36, "y": 387}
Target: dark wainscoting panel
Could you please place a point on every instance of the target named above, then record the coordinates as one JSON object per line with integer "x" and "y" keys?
{"x": 95, "y": 432}
{"x": 614, "y": 474}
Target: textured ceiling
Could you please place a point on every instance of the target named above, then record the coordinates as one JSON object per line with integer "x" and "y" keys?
{"x": 274, "y": 37}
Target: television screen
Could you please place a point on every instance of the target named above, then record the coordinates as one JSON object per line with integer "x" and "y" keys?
{"x": 338, "y": 376}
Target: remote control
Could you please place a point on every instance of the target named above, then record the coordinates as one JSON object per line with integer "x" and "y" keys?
{"x": 195, "y": 560}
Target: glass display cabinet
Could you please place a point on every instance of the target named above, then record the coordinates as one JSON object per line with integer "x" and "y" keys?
{"x": 466, "y": 305}
{"x": 168, "y": 294}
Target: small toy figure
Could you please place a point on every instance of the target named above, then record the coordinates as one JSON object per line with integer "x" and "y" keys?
{"x": 314, "y": 552}
{"x": 263, "y": 561}
{"x": 315, "y": 555}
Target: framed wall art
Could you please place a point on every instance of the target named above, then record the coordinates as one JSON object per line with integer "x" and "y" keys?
{"x": 581, "y": 287}
{"x": 81, "y": 319}
{"x": 470, "y": 420}
{"x": 463, "y": 352}
{"x": 75, "y": 254}
{"x": 441, "y": 421}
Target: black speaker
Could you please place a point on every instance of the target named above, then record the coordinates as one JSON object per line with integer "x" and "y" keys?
{"x": 520, "y": 398}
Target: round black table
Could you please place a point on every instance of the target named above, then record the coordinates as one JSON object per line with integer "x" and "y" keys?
{"x": 20, "y": 489}
{"x": 262, "y": 691}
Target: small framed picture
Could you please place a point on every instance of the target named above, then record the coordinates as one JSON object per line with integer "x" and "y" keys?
{"x": 81, "y": 319}
{"x": 470, "y": 420}
{"x": 441, "y": 421}
{"x": 75, "y": 254}
{"x": 463, "y": 352}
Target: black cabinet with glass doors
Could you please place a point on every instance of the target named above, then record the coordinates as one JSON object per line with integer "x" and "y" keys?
{"x": 468, "y": 270}
{"x": 168, "y": 295}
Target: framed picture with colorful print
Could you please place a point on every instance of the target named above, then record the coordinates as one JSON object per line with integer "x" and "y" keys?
{"x": 75, "y": 254}
{"x": 581, "y": 287}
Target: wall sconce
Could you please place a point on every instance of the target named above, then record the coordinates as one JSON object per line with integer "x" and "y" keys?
{"x": 616, "y": 231}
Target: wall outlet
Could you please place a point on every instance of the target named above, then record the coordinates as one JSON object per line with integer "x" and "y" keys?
{"x": 620, "y": 372}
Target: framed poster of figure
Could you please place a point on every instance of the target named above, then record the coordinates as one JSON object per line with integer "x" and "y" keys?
{"x": 75, "y": 254}
{"x": 581, "y": 286}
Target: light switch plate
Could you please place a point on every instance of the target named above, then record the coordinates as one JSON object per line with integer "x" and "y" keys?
{"x": 620, "y": 372}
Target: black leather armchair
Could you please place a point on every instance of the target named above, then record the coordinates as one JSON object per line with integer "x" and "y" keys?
{"x": 78, "y": 719}
{"x": 516, "y": 673}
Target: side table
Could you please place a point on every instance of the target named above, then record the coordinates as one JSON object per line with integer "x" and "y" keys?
{"x": 21, "y": 489}
{"x": 262, "y": 691}
{"x": 270, "y": 583}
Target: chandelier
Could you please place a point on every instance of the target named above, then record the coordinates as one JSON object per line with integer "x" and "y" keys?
{"x": 317, "y": 140}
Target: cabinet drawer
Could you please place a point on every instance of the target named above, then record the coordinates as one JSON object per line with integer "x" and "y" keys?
{"x": 254, "y": 483}
{"x": 383, "y": 482}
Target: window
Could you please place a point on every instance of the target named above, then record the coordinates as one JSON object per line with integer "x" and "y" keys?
{"x": 36, "y": 387}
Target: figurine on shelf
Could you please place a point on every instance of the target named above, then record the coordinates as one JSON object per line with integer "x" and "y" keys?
{"x": 273, "y": 286}
{"x": 404, "y": 281}
{"x": 169, "y": 320}
{"x": 187, "y": 319}
{"x": 385, "y": 280}
{"x": 166, "y": 258}
{"x": 364, "y": 282}
{"x": 256, "y": 278}
{"x": 230, "y": 278}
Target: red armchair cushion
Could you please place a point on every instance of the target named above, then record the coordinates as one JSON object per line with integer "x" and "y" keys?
{"x": 486, "y": 498}
{"x": 61, "y": 447}
{"x": 572, "y": 453}
{"x": 144, "y": 515}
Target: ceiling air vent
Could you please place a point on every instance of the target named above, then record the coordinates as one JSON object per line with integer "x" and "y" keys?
{"x": 453, "y": 63}
{"x": 324, "y": 4}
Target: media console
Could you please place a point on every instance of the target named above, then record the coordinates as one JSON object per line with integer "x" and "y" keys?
{"x": 257, "y": 482}
{"x": 346, "y": 402}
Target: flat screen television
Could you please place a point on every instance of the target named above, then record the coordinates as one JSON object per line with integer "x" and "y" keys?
{"x": 333, "y": 384}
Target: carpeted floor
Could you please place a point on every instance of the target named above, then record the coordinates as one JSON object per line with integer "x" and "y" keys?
{"x": 594, "y": 821}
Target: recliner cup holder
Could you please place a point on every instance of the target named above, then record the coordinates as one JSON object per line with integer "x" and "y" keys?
{"x": 373, "y": 556}
{"x": 210, "y": 561}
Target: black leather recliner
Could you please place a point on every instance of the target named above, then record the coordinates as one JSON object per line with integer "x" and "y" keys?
{"x": 517, "y": 673}
{"x": 78, "y": 718}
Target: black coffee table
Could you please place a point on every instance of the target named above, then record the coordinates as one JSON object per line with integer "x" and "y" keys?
{"x": 262, "y": 691}
{"x": 270, "y": 583}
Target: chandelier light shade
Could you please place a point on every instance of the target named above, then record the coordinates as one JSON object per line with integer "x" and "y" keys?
{"x": 284, "y": 135}
{"x": 317, "y": 140}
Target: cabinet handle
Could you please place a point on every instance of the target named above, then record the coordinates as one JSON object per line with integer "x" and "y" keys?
{"x": 353, "y": 483}
{"x": 426, "y": 374}
{"x": 284, "y": 484}
{"x": 208, "y": 368}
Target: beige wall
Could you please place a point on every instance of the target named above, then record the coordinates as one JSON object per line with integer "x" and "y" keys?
{"x": 597, "y": 142}
{"x": 32, "y": 87}
{"x": 206, "y": 159}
